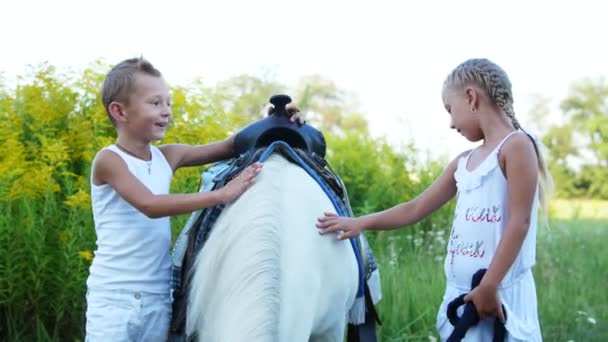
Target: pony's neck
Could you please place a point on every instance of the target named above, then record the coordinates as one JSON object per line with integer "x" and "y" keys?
{"x": 236, "y": 287}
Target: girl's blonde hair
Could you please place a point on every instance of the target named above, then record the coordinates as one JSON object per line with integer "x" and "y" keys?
{"x": 494, "y": 81}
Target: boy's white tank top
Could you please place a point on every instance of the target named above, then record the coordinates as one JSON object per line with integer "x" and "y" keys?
{"x": 132, "y": 249}
{"x": 480, "y": 218}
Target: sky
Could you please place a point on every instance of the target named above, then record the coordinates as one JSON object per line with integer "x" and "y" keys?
{"x": 393, "y": 55}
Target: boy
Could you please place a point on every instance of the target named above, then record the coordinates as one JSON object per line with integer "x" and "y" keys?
{"x": 128, "y": 295}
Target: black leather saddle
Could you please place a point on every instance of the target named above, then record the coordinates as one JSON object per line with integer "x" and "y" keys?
{"x": 278, "y": 127}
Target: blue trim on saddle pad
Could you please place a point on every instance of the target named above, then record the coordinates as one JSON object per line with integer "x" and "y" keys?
{"x": 329, "y": 193}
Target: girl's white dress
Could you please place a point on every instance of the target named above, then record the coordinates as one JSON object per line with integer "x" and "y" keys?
{"x": 480, "y": 218}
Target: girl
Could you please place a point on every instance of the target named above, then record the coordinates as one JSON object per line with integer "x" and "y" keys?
{"x": 498, "y": 186}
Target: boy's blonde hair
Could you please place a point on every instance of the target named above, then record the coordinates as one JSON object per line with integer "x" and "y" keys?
{"x": 495, "y": 83}
{"x": 119, "y": 82}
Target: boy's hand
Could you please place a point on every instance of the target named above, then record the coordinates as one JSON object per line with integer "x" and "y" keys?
{"x": 347, "y": 227}
{"x": 240, "y": 183}
{"x": 487, "y": 302}
{"x": 293, "y": 111}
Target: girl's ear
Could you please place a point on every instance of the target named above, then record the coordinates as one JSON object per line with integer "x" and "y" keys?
{"x": 472, "y": 98}
{"x": 117, "y": 111}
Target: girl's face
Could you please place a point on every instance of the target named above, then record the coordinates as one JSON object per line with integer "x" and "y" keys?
{"x": 459, "y": 103}
{"x": 149, "y": 108}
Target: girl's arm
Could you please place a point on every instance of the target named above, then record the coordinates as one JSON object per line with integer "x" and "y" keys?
{"x": 435, "y": 196}
{"x": 519, "y": 162}
{"x": 109, "y": 168}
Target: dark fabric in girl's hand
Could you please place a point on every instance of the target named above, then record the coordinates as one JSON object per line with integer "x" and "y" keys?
{"x": 469, "y": 317}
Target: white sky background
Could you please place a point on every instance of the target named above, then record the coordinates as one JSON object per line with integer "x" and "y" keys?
{"x": 393, "y": 55}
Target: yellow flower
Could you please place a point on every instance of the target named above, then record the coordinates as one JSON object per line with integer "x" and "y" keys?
{"x": 80, "y": 199}
{"x": 86, "y": 255}
{"x": 64, "y": 236}
{"x": 54, "y": 152}
{"x": 35, "y": 181}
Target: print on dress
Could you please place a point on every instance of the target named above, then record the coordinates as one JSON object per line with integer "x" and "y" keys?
{"x": 472, "y": 249}
{"x": 483, "y": 214}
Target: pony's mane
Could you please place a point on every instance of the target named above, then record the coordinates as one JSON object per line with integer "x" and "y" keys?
{"x": 244, "y": 302}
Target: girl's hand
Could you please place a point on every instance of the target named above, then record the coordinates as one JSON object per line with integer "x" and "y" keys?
{"x": 347, "y": 227}
{"x": 240, "y": 183}
{"x": 486, "y": 300}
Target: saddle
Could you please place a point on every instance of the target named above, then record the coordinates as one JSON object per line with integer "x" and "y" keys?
{"x": 277, "y": 127}
{"x": 470, "y": 317}
{"x": 303, "y": 145}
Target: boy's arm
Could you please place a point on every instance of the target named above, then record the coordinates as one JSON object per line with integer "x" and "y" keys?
{"x": 109, "y": 168}
{"x": 181, "y": 155}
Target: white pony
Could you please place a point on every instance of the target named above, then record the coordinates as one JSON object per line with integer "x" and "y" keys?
{"x": 265, "y": 273}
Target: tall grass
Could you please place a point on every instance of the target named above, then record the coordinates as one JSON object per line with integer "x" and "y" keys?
{"x": 412, "y": 282}
{"x": 43, "y": 269}
{"x": 579, "y": 209}
{"x": 571, "y": 278}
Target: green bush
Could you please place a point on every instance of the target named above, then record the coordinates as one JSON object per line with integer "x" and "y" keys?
{"x": 51, "y": 126}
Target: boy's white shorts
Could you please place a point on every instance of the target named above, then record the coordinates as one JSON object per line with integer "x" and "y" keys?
{"x": 122, "y": 315}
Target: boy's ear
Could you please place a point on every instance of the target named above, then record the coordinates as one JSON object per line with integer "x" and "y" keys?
{"x": 117, "y": 111}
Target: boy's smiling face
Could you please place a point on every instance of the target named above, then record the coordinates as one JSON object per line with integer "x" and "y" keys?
{"x": 148, "y": 110}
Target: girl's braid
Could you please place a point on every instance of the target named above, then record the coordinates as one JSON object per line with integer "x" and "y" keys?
{"x": 492, "y": 79}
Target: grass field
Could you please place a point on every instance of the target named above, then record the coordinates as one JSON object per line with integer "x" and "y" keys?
{"x": 562, "y": 209}
{"x": 44, "y": 265}
{"x": 571, "y": 278}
